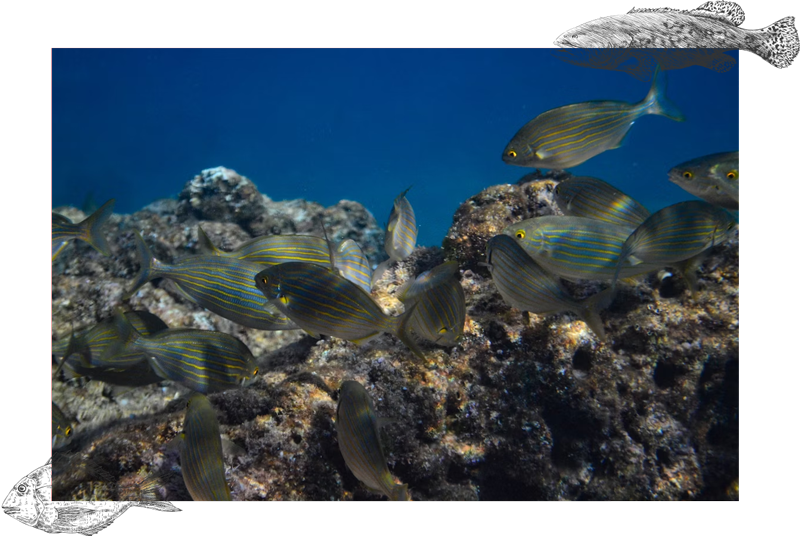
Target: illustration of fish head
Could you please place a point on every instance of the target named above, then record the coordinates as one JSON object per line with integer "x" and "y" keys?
{"x": 27, "y": 499}
{"x": 587, "y": 35}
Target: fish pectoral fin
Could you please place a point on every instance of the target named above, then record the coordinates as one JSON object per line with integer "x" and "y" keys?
{"x": 369, "y": 337}
{"x": 633, "y": 260}
{"x": 73, "y": 513}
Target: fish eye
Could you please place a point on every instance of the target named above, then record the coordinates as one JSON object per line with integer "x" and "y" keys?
{"x": 731, "y": 175}
{"x": 442, "y": 331}
{"x": 22, "y": 488}
{"x": 520, "y": 234}
{"x": 730, "y": 226}
{"x": 512, "y": 154}
{"x": 255, "y": 372}
{"x": 558, "y": 189}
{"x": 265, "y": 280}
{"x": 688, "y": 174}
{"x": 68, "y": 431}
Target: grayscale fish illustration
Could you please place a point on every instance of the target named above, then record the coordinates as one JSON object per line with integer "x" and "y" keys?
{"x": 712, "y": 25}
{"x": 641, "y": 63}
{"x": 30, "y": 502}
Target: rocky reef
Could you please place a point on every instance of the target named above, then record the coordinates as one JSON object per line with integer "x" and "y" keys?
{"x": 526, "y": 407}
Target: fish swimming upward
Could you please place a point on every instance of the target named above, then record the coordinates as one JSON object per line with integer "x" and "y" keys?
{"x": 712, "y": 25}
{"x": 29, "y": 502}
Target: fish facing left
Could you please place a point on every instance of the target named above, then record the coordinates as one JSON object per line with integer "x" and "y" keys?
{"x": 88, "y": 230}
{"x": 30, "y": 502}
{"x": 322, "y": 302}
{"x": 569, "y": 135}
{"x": 713, "y": 178}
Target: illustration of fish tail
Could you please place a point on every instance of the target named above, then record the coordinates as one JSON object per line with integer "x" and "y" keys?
{"x": 590, "y": 313}
{"x": 161, "y": 506}
{"x": 403, "y": 331}
{"x": 93, "y": 233}
{"x": 656, "y": 101}
{"x": 150, "y": 266}
{"x": 780, "y": 43}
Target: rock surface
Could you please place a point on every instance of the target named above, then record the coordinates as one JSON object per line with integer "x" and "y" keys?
{"x": 526, "y": 407}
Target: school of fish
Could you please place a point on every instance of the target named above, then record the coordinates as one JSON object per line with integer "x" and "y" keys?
{"x": 290, "y": 282}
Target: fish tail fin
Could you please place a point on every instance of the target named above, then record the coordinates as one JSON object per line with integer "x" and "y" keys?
{"x": 150, "y": 266}
{"x": 399, "y": 492}
{"x": 780, "y": 43}
{"x": 402, "y": 330}
{"x": 93, "y": 233}
{"x": 161, "y": 506}
{"x": 656, "y": 101}
{"x": 74, "y": 347}
{"x": 206, "y": 246}
{"x": 590, "y": 313}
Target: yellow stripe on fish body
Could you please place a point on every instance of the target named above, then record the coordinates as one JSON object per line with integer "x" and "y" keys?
{"x": 353, "y": 265}
{"x": 527, "y": 286}
{"x": 359, "y": 441}
{"x": 678, "y": 232}
{"x": 222, "y": 285}
{"x": 564, "y": 137}
{"x": 200, "y": 448}
{"x": 274, "y": 249}
{"x": 401, "y": 232}
{"x": 713, "y": 178}
{"x": 587, "y": 197}
{"x": 203, "y": 361}
{"x": 90, "y": 349}
{"x": 271, "y": 250}
{"x": 441, "y": 308}
{"x": 576, "y": 248}
{"x": 323, "y": 302}
{"x": 89, "y": 230}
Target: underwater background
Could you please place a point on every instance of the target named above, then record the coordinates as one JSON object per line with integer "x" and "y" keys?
{"x": 357, "y": 124}
{"x": 481, "y": 400}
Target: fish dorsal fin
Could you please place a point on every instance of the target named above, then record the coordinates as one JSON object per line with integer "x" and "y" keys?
{"x": 729, "y": 12}
{"x": 331, "y": 255}
{"x": 206, "y": 246}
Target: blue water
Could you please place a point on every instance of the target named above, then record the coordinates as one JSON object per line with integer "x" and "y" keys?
{"x": 360, "y": 124}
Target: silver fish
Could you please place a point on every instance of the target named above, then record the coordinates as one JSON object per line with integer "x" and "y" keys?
{"x": 569, "y": 135}
{"x": 713, "y": 178}
{"x": 357, "y": 432}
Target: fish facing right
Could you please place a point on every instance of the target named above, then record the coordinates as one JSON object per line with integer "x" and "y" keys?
{"x": 569, "y": 135}
{"x": 712, "y": 25}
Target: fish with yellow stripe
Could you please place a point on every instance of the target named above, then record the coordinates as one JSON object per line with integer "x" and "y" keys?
{"x": 527, "y": 286}
{"x": 322, "y": 302}
{"x": 588, "y": 197}
{"x": 87, "y": 354}
{"x": 676, "y": 233}
{"x": 223, "y": 285}
{"x": 576, "y": 248}
{"x": 357, "y": 431}
{"x": 401, "y": 234}
{"x": 204, "y": 361}
{"x": 564, "y": 137}
{"x": 89, "y": 230}
{"x": 348, "y": 257}
{"x": 441, "y": 307}
{"x": 200, "y": 450}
